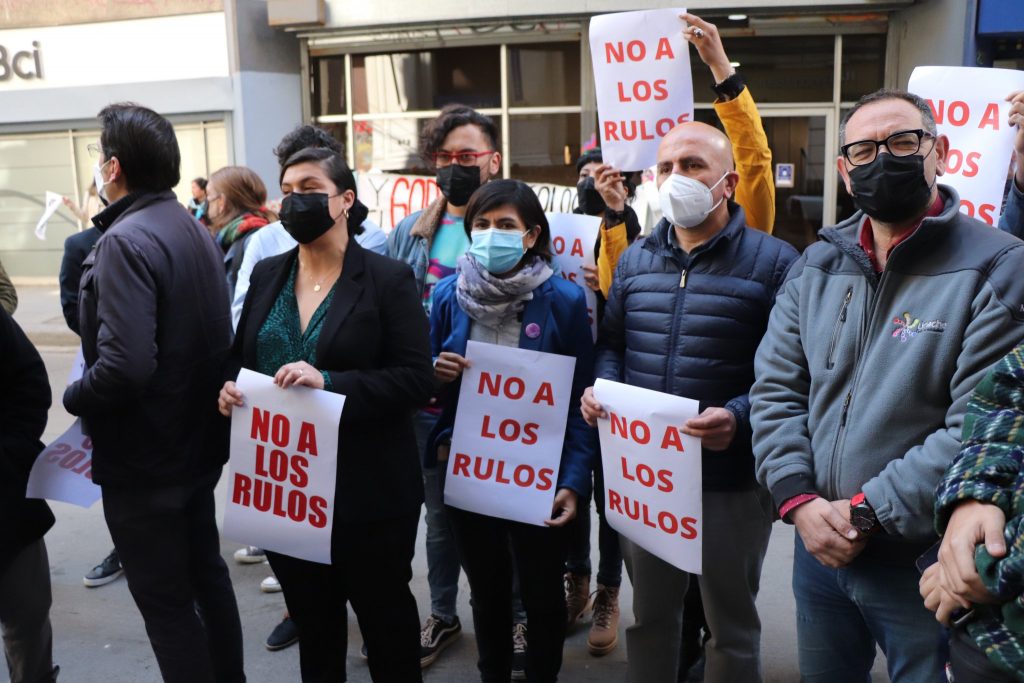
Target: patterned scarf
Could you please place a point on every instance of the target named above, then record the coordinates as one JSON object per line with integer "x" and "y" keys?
{"x": 238, "y": 227}
{"x": 492, "y": 300}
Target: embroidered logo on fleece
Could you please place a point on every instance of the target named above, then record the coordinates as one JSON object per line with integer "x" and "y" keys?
{"x": 907, "y": 328}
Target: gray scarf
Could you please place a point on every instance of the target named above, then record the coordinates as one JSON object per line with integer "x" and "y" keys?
{"x": 492, "y": 300}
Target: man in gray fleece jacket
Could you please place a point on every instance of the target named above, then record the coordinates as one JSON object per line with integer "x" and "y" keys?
{"x": 877, "y": 339}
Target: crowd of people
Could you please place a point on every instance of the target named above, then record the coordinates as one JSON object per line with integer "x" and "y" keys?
{"x": 869, "y": 391}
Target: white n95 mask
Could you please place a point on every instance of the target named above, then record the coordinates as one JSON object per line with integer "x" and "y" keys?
{"x": 686, "y": 201}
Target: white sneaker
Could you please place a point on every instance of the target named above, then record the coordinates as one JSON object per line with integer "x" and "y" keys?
{"x": 250, "y": 554}
{"x": 270, "y": 585}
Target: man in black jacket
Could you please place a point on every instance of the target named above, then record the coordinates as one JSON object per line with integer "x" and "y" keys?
{"x": 156, "y": 330}
{"x": 24, "y": 568}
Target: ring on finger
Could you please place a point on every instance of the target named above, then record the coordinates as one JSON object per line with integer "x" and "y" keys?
{"x": 698, "y": 33}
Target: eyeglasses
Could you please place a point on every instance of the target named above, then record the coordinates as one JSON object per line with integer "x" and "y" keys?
{"x": 442, "y": 159}
{"x": 94, "y": 150}
{"x": 900, "y": 144}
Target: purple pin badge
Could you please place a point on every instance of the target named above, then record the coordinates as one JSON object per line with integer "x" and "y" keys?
{"x": 533, "y": 330}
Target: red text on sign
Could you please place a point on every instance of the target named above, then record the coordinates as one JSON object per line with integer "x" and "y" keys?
{"x": 668, "y": 522}
{"x": 501, "y": 472}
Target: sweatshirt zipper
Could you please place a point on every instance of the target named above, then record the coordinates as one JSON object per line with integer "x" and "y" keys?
{"x": 830, "y": 361}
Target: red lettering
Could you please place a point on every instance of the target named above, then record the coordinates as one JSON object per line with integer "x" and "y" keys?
{"x": 991, "y": 117}
{"x": 559, "y": 244}
{"x": 530, "y": 433}
{"x": 672, "y": 439}
{"x": 484, "y": 432}
{"x": 278, "y": 465}
{"x": 509, "y": 430}
{"x": 461, "y": 463}
{"x": 623, "y": 97}
{"x": 262, "y": 495}
{"x": 545, "y": 393}
{"x": 307, "y": 439}
{"x": 55, "y": 453}
{"x": 640, "y": 432}
{"x": 647, "y": 517}
{"x": 71, "y": 459}
{"x": 668, "y": 522}
{"x": 660, "y": 90}
{"x": 689, "y": 525}
{"x": 577, "y": 248}
{"x": 544, "y": 482}
{"x": 615, "y": 501}
{"x": 664, "y": 49}
{"x": 261, "y": 468}
{"x": 611, "y": 131}
{"x": 618, "y": 425}
{"x": 625, "y": 470}
{"x": 957, "y": 112}
{"x": 279, "y": 502}
{"x": 299, "y": 476}
{"x": 665, "y": 477}
{"x": 317, "y": 512}
{"x": 513, "y": 388}
{"x": 524, "y": 476}
{"x": 986, "y": 212}
{"x": 663, "y": 126}
{"x": 971, "y": 165}
{"x": 397, "y": 206}
{"x": 613, "y": 52}
{"x": 260, "y": 425}
{"x": 242, "y": 491}
{"x": 478, "y": 470}
{"x": 499, "y": 476}
{"x": 296, "y": 506}
{"x": 683, "y": 118}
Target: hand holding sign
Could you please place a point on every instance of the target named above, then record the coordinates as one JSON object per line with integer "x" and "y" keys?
{"x": 1016, "y": 118}
{"x": 610, "y": 185}
{"x": 703, "y": 35}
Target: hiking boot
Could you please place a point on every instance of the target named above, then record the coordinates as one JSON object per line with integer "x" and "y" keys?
{"x": 435, "y": 636}
{"x": 577, "y": 596}
{"x": 250, "y": 554}
{"x": 106, "y": 571}
{"x": 518, "y": 652}
{"x": 604, "y": 631}
{"x": 284, "y": 635}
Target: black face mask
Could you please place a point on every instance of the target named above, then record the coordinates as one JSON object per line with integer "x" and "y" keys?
{"x": 458, "y": 183}
{"x": 306, "y": 216}
{"x": 891, "y": 189}
{"x": 591, "y": 201}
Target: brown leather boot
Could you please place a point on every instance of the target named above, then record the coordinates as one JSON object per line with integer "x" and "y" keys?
{"x": 604, "y": 632}
{"x": 577, "y": 596}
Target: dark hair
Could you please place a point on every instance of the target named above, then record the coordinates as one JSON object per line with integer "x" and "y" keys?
{"x": 451, "y": 117}
{"x": 518, "y": 195}
{"x": 144, "y": 143}
{"x": 338, "y": 172}
{"x": 302, "y": 137}
{"x": 922, "y": 106}
{"x": 590, "y": 157}
{"x": 201, "y": 182}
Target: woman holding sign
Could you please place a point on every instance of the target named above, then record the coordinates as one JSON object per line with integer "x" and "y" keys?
{"x": 504, "y": 294}
{"x": 333, "y": 316}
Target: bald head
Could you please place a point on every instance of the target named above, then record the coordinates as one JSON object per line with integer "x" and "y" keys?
{"x": 695, "y": 138}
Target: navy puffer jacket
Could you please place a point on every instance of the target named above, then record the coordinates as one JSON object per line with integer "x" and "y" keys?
{"x": 689, "y": 325}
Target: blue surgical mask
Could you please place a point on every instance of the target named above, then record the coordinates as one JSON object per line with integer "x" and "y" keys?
{"x": 498, "y": 251}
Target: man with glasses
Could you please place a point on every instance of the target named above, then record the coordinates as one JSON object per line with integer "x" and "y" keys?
{"x": 877, "y": 339}
{"x": 462, "y": 145}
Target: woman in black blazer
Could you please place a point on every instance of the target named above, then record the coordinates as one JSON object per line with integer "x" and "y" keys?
{"x": 333, "y": 316}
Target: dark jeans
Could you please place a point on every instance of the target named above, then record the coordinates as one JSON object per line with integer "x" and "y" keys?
{"x": 372, "y": 569}
{"x": 609, "y": 567}
{"x": 488, "y": 546}
{"x": 169, "y": 547}
{"x": 969, "y": 663}
{"x": 25, "y": 616}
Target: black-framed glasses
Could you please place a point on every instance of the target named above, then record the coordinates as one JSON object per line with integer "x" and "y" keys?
{"x": 442, "y": 159}
{"x": 900, "y": 144}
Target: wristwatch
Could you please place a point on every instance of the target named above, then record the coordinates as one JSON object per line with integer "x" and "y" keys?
{"x": 862, "y": 515}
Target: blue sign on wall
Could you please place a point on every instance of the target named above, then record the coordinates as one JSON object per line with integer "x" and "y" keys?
{"x": 1000, "y": 17}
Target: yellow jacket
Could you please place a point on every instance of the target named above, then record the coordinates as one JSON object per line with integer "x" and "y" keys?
{"x": 755, "y": 191}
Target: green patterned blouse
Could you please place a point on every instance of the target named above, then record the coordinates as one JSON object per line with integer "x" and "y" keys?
{"x": 280, "y": 340}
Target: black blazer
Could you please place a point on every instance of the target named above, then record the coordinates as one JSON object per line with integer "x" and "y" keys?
{"x": 76, "y": 248}
{"x": 24, "y": 403}
{"x": 375, "y": 346}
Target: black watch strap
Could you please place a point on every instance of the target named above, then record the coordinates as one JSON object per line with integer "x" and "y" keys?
{"x": 613, "y": 217}
{"x": 730, "y": 88}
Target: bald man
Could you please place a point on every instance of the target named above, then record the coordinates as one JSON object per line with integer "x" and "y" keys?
{"x": 686, "y": 310}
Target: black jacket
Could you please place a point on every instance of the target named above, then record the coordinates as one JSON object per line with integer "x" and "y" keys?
{"x": 375, "y": 347}
{"x": 24, "y": 402}
{"x": 76, "y": 247}
{"x": 156, "y": 330}
{"x": 689, "y": 325}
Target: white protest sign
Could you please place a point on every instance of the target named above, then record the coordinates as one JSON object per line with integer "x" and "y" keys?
{"x": 53, "y": 202}
{"x": 652, "y": 472}
{"x": 77, "y": 367}
{"x": 509, "y": 432}
{"x": 63, "y": 471}
{"x": 573, "y": 237}
{"x": 390, "y": 197}
{"x": 284, "y": 461}
{"x": 970, "y": 108}
{"x": 642, "y": 76}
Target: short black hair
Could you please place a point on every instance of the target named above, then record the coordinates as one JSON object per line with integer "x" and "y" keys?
{"x": 338, "y": 172}
{"x": 201, "y": 182}
{"x": 144, "y": 143}
{"x": 451, "y": 117}
{"x": 927, "y": 117}
{"x": 590, "y": 157}
{"x": 303, "y": 137}
{"x": 517, "y": 194}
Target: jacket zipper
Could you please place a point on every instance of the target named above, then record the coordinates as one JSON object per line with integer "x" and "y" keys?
{"x": 830, "y": 361}
{"x": 670, "y": 360}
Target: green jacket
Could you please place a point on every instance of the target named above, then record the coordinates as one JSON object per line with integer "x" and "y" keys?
{"x": 8, "y": 295}
{"x": 990, "y": 469}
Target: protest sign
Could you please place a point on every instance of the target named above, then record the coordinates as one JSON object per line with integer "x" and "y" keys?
{"x": 970, "y": 108}
{"x": 390, "y": 197}
{"x": 509, "y": 431}
{"x": 284, "y": 460}
{"x": 652, "y": 472}
{"x": 573, "y": 237}
{"x": 63, "y": 471}
{"x": 53, "y": 202}
{"x": 642, "y": 77}
{"x": 77, "y": 367}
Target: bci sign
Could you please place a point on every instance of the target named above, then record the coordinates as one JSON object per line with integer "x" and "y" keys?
{"x": 24, "y": 64}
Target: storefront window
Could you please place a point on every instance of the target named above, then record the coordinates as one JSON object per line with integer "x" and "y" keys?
{"x": 544, "y": 75}
{"x": 863, "y": 69}
{"x": 545, "y": 147}
{"x": 777, "y": 69}
{"x": 328, "y": 86}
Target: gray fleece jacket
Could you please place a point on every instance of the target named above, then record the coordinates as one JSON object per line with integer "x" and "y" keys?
{"x": 863, "y": 380}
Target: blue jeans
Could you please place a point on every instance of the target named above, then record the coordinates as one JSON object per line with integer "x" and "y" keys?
{"x": 842, "y": 613}
{"x": 609, "y": 567}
